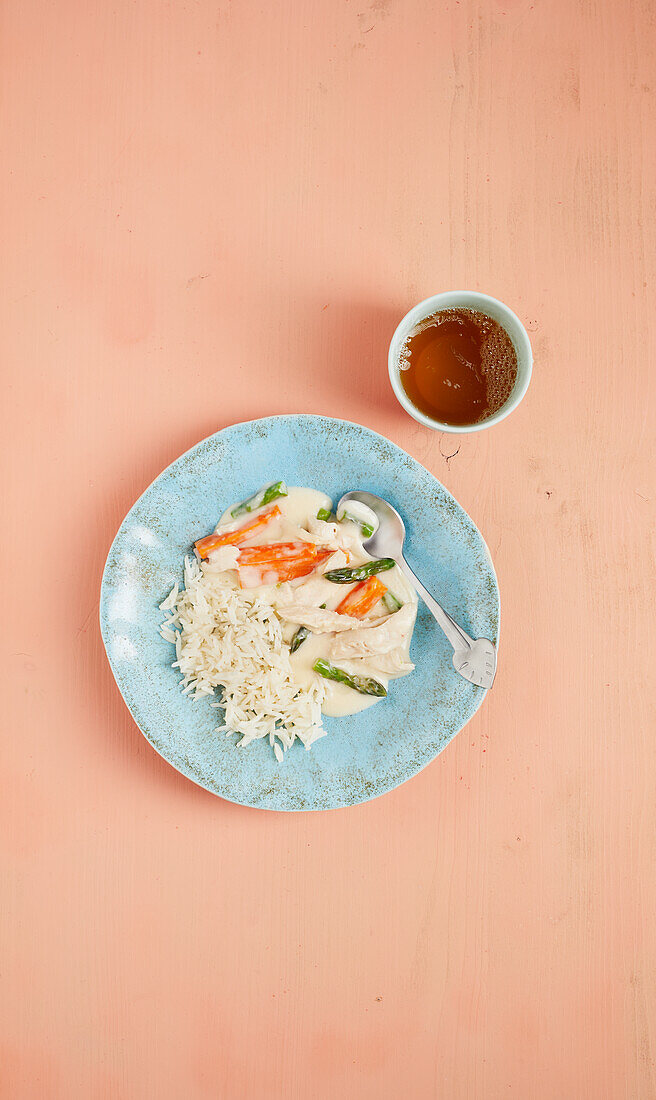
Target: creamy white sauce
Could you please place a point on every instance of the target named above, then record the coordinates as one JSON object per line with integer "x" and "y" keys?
{"x": 340, "y": 700}
{"x": 398, "y": 585}
{"x": 297, "y": 509}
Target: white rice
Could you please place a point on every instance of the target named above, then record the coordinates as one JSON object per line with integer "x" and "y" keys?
{"x": 230, "y": 638}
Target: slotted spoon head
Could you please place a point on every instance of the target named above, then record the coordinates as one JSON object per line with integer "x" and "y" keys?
{"x": 477, "y": 664}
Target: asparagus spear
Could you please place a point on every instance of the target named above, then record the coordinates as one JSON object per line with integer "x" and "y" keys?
{"x": 366, "y": 528}
{"x": 360, "y": 572}
{"x": 263, "y": 496}
{"x": 364, "y": 684}
{"x": 298, "y": 639}
{"x": 391, "y": 602}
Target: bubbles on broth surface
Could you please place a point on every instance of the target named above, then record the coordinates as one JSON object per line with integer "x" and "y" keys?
{"x": 458, "y": 366}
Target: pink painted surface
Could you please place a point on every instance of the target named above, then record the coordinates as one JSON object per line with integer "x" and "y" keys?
{"x": 219, "y": 210}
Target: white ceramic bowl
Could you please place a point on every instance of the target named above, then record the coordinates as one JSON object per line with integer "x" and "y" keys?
{"x": 464, "y": 299}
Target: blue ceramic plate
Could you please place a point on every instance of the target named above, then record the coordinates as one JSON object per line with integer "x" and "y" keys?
{"x": 366, "y": 754}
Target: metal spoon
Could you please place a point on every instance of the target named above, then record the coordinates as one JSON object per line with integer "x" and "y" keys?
{"x": 473, "y": 658}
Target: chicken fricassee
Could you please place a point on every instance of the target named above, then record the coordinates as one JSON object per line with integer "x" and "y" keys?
{"x": 346, "y": 617}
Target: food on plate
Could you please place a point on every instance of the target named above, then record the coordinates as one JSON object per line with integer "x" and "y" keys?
{"x": 235, "y": 534}
{"x": 284, "y": 612}
{"x": 263, "y": 496}
{"x": 391, "y": 602}
{"x": 299, "y": 637}
{"x": 362, "y": 598}
{"x": 383, "y": 636}
{"x": 368, "y": 569}
{"x": 360, "y": 514}
{"x": 364, "y": 684}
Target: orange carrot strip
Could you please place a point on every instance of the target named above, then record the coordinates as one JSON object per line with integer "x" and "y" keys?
{"x": 291, "y": 571}
{"x": 275, "y": 570}
{"x": 278, "y": 552}
{"x": 362, "y": 598}
{"x": 234, "y": 538}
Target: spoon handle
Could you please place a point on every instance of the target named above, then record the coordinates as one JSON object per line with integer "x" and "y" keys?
{"x": 456, "y": 635}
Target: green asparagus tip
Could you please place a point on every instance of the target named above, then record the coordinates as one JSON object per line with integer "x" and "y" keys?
{"x": 298, "y": 639}
{"x": 263, "y": 496}
{"x": 365, "y": 685}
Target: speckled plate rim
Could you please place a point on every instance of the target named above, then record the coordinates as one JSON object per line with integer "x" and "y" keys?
{"x": 105, "y": 628}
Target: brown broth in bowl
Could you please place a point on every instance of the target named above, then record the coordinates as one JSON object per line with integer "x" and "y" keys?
{"x": 458, "y": 366}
